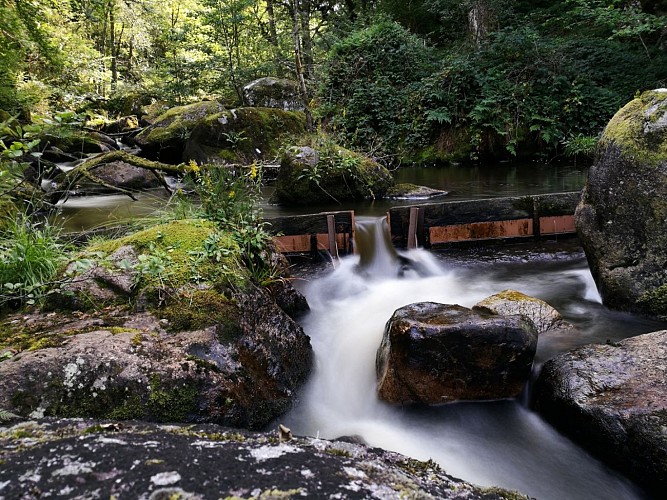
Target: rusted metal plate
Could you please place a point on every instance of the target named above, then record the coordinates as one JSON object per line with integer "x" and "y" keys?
{"x": 562, "y": 224}
{"x": 292, "y": 244}
{"x": 301, "y": 243}
{"x": 481, "y": 231}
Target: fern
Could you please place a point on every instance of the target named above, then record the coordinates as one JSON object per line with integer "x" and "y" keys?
{"x": 6, "y": 416}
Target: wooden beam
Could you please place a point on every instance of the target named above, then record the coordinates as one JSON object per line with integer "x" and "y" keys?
{"x": 331, "y": 238}
{"x": 412, "y": 228}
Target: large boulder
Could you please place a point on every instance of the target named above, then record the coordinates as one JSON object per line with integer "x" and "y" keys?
{"x": 622, "y": 217}
{"x": 158, "y": 330}
{"x": 101, "y": 459}
{"x": 207, "y": 132}
{"x": 510, "y": 302}
{"x": 269, "y": 92}
{"x": 435, "y": 353}
{"x": 328, "y": 174}
{"x": 612, "y": 399}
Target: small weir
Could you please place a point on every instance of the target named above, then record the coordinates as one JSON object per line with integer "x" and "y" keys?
{"x": 500, "y": 443}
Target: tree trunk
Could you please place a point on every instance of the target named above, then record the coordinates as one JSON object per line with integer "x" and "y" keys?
{"x": 306, "y": 39}
{"x": 112, "y": 44}
{"x": 273, "y": 37}
{"x": 299, "y": 65}
{"x": 479, "y": 20}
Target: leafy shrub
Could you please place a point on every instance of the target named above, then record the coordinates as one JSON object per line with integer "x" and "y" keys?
{"x": 368, "y": 75}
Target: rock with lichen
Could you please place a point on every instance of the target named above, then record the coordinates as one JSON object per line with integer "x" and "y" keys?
{"x": 207, "y": 132}
{"x": 270, "y": 92}
{"x": 436, "y": 353}
{"x": 157, "y": 329}
{"x": 329, "y": 173}
{"x": 509, "y": 302}
{"x": 612, "y": 399}
{"x": 93, "y": 459}
{"x": 622, "y": 217}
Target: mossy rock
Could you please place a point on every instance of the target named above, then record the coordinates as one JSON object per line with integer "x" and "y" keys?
{"x": 272, "y": 92}
{"x": 207, "y": 132}
{"x": 639, "y": 129}
{"x": 146, "y": 266}
{"x": 329, "y": 173}
{"x": 622, "y": 217}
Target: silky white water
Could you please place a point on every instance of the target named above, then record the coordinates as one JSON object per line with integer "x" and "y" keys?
{"x": 494, "y": 443}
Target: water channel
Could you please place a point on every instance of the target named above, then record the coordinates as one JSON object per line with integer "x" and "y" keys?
{"x": 489, "y": 443}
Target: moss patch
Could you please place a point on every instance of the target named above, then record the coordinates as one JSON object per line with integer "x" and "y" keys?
{"x": 201, "y": 309}
{"x": 639, "y": 129}
{"x": 654, "y": 301}
{"x": 174, "y": 255}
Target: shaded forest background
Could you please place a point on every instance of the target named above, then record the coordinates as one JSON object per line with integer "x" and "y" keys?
{"x": 409, "y": 81}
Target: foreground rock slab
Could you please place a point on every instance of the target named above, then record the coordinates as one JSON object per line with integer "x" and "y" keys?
{"x": 435, "y": 353}
{"x": 613, "y": 400}
{"x": 98, "y": 459}
{"x": 241, "y": 372}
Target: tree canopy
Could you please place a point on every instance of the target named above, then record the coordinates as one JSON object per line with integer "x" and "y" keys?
{"x": 423, "y": 80}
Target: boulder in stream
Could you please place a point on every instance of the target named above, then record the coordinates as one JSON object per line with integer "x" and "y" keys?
{"x": 329, "y": 173}
{"x": 436, "y": 353}
{"x": 622, "y": 217}
{"x": 612, "y": 399}
{"x": 102, "y": 459}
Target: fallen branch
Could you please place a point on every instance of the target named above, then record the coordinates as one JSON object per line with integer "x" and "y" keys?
{"x": 84, "y": 171}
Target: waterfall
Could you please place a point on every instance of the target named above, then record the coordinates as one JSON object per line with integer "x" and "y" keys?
{"x": 493, "y": 443}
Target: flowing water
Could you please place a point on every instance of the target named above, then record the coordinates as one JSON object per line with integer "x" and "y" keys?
{"x": 494, "y": 443}
{"x": 489, "y": 443}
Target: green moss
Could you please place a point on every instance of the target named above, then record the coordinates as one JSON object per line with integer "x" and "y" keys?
{"x": 204, "y": 308}
{"x": 19, "y": 339}
{"x": 176, "y": 249}
{"x": 654, "y": 301}
{"x": 338, "y": 452}
{"x": 178, "y": 123}
{"x": 173, "y": 404}
{"x": 628, "y": 128}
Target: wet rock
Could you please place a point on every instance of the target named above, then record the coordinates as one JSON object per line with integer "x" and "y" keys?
{"x": 122, "y": 124}
{"x": 79, "y": 143}
{"x": 622, "y": 217}
{"x": 414, "y": 192}
{"x": 536, "y": 311}
{"x": 126, "y": 176}
{"x": 435, "y": 353}
{"x": 309, "y": 176}
{"x": 100, "y": 459}
{"x": 612, "y": 399}
{"x": 272, "y": 92}
{"x": 207, "y": 132}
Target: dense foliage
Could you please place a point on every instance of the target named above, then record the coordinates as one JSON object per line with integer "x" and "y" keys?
{"x": 420, "y": 80}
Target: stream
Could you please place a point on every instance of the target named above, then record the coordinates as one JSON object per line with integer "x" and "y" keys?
{"x": 500, "y": 443}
